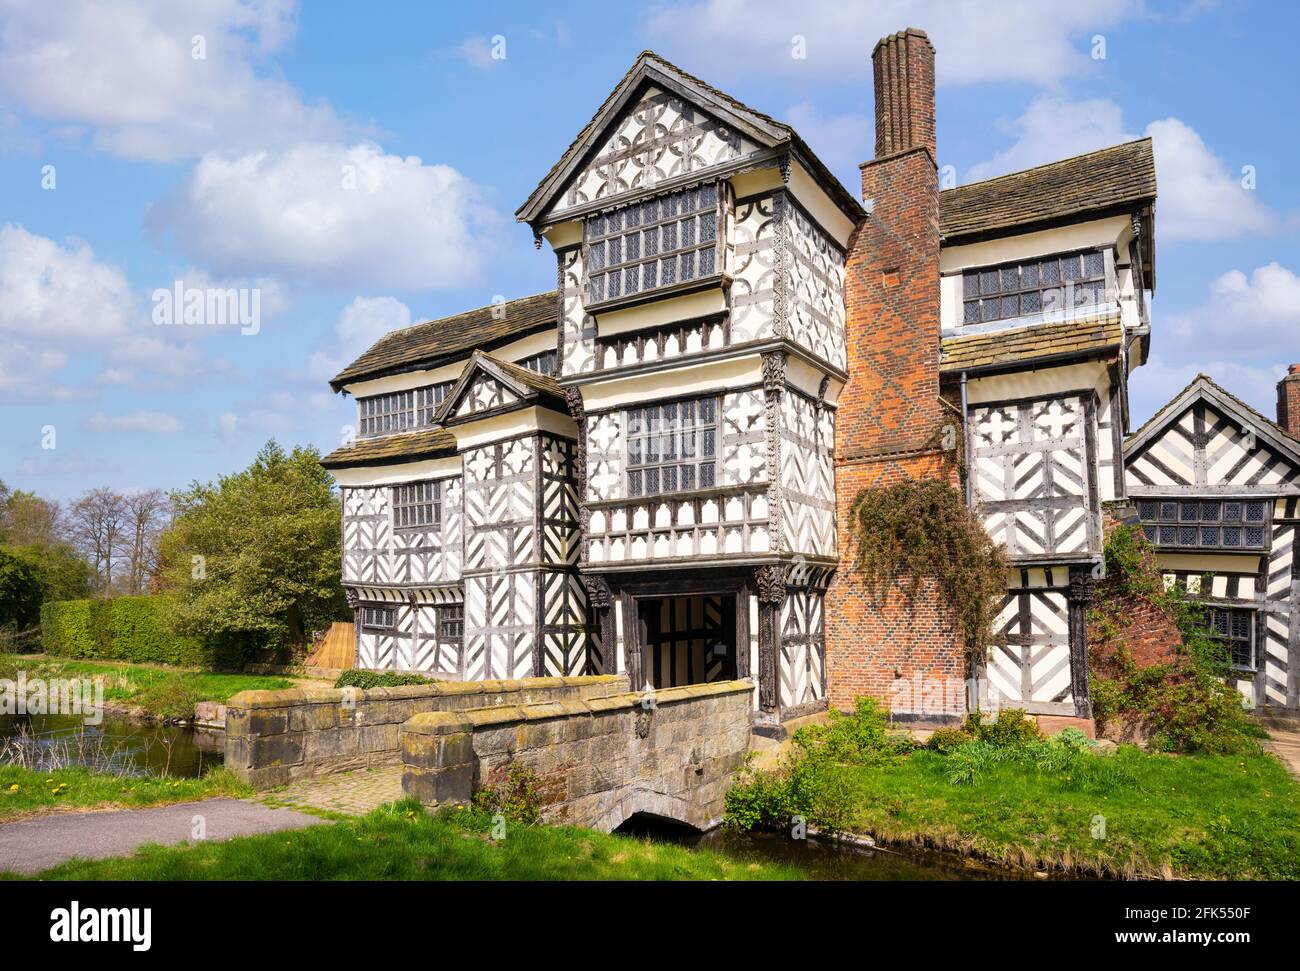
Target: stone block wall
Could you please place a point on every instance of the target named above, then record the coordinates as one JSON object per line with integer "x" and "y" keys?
{"x": 598, "y": 760}
{"x": 274, "y": 737}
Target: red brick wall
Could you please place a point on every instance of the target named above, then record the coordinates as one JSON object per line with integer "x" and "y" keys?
{"x": 890, "y": 417}
{"x": 1288, "y": 401}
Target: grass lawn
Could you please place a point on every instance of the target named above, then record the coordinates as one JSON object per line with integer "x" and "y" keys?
{"x": 402, "y": 842}
{"x": 24, "y": 792}
{"x": 167, "y": 692}
{"x": 1234, "y": 817}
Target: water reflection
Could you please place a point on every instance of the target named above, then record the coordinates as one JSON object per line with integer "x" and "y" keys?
{"x": 46, "y": 742}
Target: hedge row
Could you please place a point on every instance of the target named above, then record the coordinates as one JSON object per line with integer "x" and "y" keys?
{"x": 121, "y": 628}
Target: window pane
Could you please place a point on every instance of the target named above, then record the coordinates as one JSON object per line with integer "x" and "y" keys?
{"x": 1209, "y": 536}
{"x": 1050, "y": 272}
{"x": 1029, "y": 275}
{"x": 971, "y": 312}
{"x": 1094, "y": 265}
{"x": 989, "y": 281}
{"x": 1010, "y": 278}
{"x": 1031, "y": 302}
{"x": 1209, "y": 512}
{"x": 1010, "y": 306}
{"x": 970, "y": 284}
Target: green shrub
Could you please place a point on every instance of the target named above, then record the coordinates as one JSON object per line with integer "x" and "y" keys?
{"x": 944, "y": 740}
{"x": 121, "y": 628}
{"x": 360, "y": 678}
{"x": 1011, "y": 728}
{"x": 517, "y": 799}
{"x": 1182, "y": 705}
{"x": 812, "y": 782}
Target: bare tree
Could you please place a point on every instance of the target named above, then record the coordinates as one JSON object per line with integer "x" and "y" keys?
{"x": 97, "y": 522}
{"x": 148, "y": 513}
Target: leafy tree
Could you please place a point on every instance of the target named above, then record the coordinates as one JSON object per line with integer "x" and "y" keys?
{"x": 63, "y": 574}
{"x": 20, "y": 593}
{"x": 257, "y": 553}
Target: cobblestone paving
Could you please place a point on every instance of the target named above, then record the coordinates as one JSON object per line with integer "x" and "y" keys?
{"x": 353, "y": 793}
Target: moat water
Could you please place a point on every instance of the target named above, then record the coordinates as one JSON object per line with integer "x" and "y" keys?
{"x": 46, "y": 742}
{"x": 823, "y": 859}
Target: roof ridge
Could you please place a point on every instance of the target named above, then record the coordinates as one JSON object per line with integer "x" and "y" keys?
{"x": 1045, "y": 165}
{"x": 462, "y": 313}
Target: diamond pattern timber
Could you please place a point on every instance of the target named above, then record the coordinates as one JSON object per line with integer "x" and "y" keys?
{"x": 803, "y": 649}
{"x": 1029, "y": 664}
{"x": 807, "y": 475}
{"x": 1206, "y": 447}
{"x": 815, "y": 285}
{"x": 1034, "y": 464}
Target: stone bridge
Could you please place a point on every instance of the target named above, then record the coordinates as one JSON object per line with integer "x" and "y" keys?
{"x": 601, "y": 753}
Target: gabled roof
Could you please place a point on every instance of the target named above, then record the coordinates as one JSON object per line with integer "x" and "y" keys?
{"x": 1203, "y": 387}
{"x": 1116, "y": 179}
{"x": 436, "y": 342}
{"x": 428, "y": 443}
{"x": 999, "y": 349}
{"x": 527, "y": 386}
{"x": 648, "y": 69}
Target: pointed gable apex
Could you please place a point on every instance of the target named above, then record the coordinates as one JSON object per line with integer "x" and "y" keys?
{"x": 489, "y": 386}
{"x": 1207, "y": 439}
{"x": 693, "y": 127}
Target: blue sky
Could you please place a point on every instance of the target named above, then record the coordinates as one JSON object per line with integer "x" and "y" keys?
{"x": 358, "y": 165}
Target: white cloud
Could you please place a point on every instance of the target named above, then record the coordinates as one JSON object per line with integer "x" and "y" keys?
{"x": 478, "y": 52}
{"x": 362, "y": 322}
{"x": 976, "y": 40}
{"x": 1259, "y": 312}
{"x": 127, "y": 73}
{"x": 59, "y": 303}
{"x": 1200, "y": 198}
{"x": 1243, "y": 335}
{"x": 153, "y": 422}
{"x": 329, "y": 214}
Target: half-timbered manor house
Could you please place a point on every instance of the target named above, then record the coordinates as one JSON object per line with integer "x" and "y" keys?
{"x": 648, "y": 469}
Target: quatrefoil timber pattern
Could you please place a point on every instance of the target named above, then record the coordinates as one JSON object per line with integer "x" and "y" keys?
{"x": 661, "y": 137}
{"x": 1034, "y": 465}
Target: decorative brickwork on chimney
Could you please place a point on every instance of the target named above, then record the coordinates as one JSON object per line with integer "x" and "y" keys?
{"x": 1288, "y": 401}
{"x": 890, "y": 419}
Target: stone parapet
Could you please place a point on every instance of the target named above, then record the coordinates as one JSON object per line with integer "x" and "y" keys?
{"x": 598, "y": 760}
{"x": 274, "y": 737}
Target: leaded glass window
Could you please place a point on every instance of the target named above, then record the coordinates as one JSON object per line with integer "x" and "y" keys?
{"x": 417, "y": 505}
{"x": 1235, "y": 630}
{"x": 1202, "y": 523}
{"x": 648, "y": 245}
{"x": 400, "y": 411}
{"x": 672, "y": 447}
{"x": 451, "y": 622}
{"x": 378, "y": 618}
{"x": 1068, "y": 282}
{"x": 542, "y": 363}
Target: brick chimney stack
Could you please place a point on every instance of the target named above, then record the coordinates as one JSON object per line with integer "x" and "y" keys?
{"x": 889, "y": 419}
{"x": 904, "y": 75}
{"x": 1288, "y": 401}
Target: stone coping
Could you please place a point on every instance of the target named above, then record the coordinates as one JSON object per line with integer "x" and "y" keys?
{"x": 456, "y": 722}
{"x": 438, "y": 689}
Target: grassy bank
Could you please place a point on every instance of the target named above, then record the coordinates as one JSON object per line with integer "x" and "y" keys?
{"x": 1043, "y": 804}
{"x": 1189, "y": 816}
{"x": 24, "y": 792}
{"x": 402, "y": 842}
{"x": 161, "y": 691}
